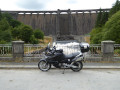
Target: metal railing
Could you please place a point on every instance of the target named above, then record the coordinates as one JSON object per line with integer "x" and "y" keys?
{"x": 5, "y": 50}
{"x": 33, "y": 50}
{"x": 117, "y": 50}
{"x": 95, "y": 50}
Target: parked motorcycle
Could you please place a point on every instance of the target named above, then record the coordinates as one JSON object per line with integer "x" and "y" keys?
{"x": 58, "y": 59}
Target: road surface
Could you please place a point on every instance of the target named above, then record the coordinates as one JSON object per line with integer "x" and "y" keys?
{"x": 34, "y": 79}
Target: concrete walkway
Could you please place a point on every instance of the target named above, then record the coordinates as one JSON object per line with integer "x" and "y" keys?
{"x": 34, "y": 65}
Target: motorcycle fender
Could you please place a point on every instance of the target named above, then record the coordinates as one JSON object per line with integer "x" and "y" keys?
{"x": 46, "y": 60}
{"x": 43, "y": 59}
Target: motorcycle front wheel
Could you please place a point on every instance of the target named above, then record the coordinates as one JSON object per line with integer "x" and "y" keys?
{"x": 43, "y": 65}
{"x": 78, "y": 66}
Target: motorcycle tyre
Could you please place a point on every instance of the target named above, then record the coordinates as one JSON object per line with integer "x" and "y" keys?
{"x": 78, "y": 69}
{"x": 48, "y": 65}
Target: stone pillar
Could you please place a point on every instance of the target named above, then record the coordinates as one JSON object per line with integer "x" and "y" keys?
{"x": 77, "y": 20}
{"x": 18, "y": 50}
{"x": 31, "y": 19}
{"x": 44, "y": 22}
{"x": 57, "y": 24}
{"x": 107, "y": 50}
{"x": 70, "y": 23}
{"x": 23, "y": 18}
{"x": 89, "y": 22}
{"x": 83, "y": 23}
{"x": 37, "y": 22}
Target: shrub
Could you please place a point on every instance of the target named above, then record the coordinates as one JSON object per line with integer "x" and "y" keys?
{"x": 33, "y": 40}
{"x": 5, "y": 36}
{"x": 96, "y": 36}
{"x": 3, "y": 42}
{"x": 16, "y": 32}
{"x": 26, "y": 33}
{"x": 97, "y": 39}
{"x": 117, "y": 51}
{"x": 38, "y": 34}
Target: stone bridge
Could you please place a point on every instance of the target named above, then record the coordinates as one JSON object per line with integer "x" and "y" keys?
{"x": 60, "y": 23}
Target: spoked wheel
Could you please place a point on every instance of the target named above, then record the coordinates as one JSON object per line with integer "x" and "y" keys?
{"x": 77, "y": 66}
{"x": 44, "y": 66}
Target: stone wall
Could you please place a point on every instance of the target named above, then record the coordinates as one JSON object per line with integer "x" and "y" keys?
{"x": 60, "y": 22}
{"x": 81, "y": 24}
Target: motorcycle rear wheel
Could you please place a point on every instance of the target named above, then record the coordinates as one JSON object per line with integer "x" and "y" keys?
{"x": 44, "y": 65}
{"x": 79, "y": 66}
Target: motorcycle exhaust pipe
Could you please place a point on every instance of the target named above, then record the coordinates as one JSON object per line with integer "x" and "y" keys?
{"x": 70, "y": 66}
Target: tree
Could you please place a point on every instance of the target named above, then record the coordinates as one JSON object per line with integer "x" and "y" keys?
{"x": 102, "y": 17}
{"x": 115, "y": 8}
{"x": 112, "y": 28}
{"x": 8, "y": 17}
{"x": 107, "y": 29}
{"x": 4, "y": 25}
{"x": 15, "y": 23}
{"x": 96, "y": 33}
{"x": 11, "y": 29}
{"x": 0, "y": 15}
{"x": 98, "y": 21}
{"x": 5, "y": 30}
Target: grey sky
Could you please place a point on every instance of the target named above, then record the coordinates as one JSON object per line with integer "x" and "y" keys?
{"x": 30, "y": 4}
{"x": 54, "y": 4}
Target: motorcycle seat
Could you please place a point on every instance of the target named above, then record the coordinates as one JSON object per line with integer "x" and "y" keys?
{"x": 69, "y": 56}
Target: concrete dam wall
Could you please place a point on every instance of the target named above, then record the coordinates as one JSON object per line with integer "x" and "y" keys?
{"x": 61, "y": 22}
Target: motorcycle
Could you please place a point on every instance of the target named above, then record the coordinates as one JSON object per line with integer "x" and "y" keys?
{"x": 58, "y": 59}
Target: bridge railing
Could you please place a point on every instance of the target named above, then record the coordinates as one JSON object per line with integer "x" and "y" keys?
{"x": 5, "y": 50}
{"x": 95, "y": 50}
{"x": 117, "y": 50}
{"x": 33, "y": 50}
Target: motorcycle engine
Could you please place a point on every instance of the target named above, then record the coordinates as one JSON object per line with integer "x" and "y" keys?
{"x": 57, "y": 65}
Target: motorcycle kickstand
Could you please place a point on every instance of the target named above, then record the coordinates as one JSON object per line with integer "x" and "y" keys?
{"x": 63, "y": 71}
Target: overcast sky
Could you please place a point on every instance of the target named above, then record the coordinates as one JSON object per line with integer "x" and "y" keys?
{"x": 54, "y": 4}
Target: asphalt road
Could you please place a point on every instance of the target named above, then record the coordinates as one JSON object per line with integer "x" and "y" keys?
{"x": 34, "y": 79}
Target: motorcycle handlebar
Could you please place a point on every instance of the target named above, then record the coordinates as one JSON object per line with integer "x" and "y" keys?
{"x": 50, "y": 51}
